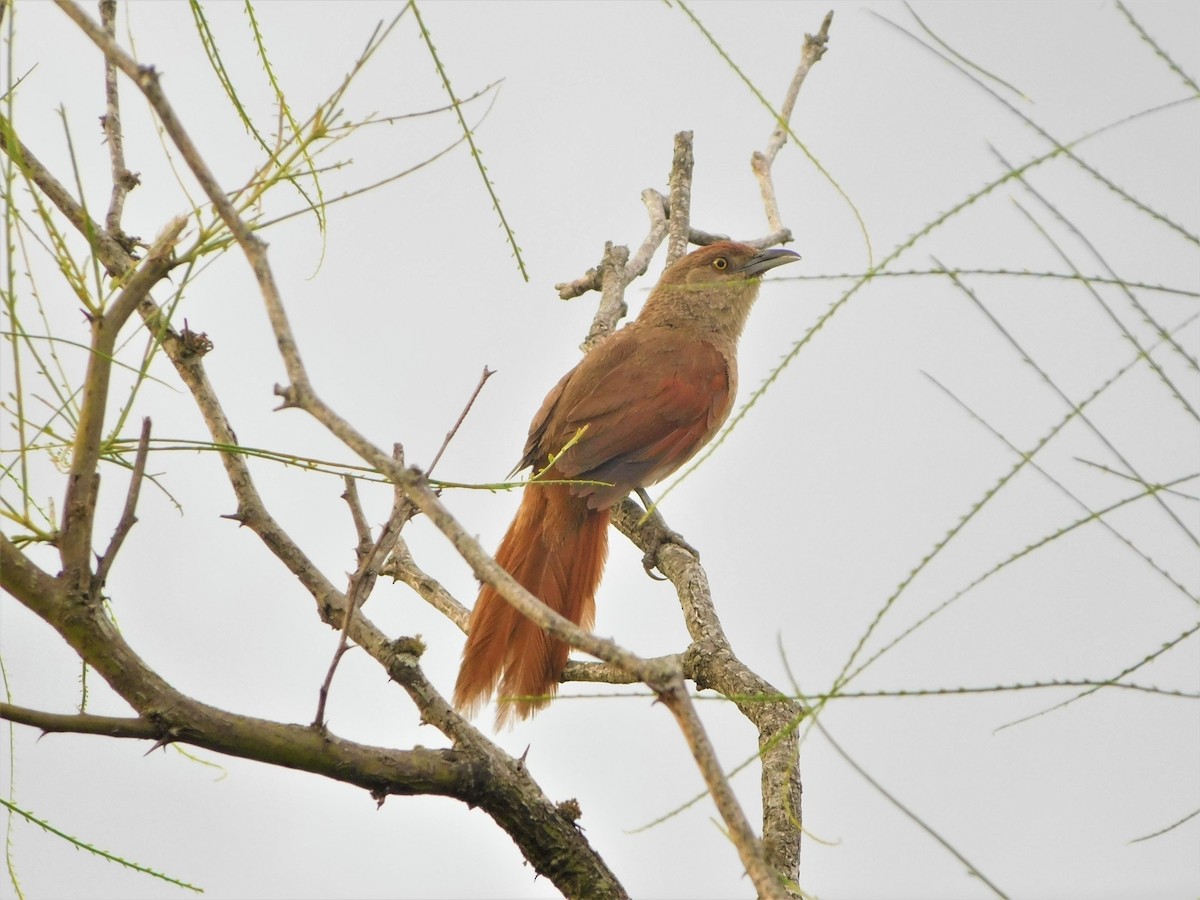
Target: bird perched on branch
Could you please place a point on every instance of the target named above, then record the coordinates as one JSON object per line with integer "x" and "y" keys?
{"x": 635, "y": 409}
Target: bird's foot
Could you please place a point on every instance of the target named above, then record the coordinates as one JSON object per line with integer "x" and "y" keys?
{"x": 662, "y": 535}
{"x": 665, "y": 536}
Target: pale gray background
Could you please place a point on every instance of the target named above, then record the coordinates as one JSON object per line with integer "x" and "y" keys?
{"x": 837, "y": 484}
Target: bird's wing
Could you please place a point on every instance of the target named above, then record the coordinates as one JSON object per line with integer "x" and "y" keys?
{"x": 649, "y": 403}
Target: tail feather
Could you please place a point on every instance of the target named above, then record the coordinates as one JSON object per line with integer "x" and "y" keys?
{"x": 556, "y": 549}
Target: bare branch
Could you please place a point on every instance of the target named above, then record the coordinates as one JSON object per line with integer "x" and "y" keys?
{"x": 402, "y": 567}
{"x": 123, "y": 181}
{"x": 362, "y": 582}
{"x": 474, "y": 771}
{"x": 588, "y": 281}
{"x": 680, "y": 199}
{"x": 146, "y": 78}
{"x": 758, "y": 865}
{"x": 79, "y": 506}
{"x": 612, "y": 308}
{"x": 81, "y": 723}
{"x": 761, "y": 162}
{"x": 595, "y": 673}
{"x": 182, "y": 352}
{"x": 361, "y": 528}
{"x": 814, "y": 49}
{"x": 617, "y": 271}
{"x": 37, "y": 590}
{"x": 487, "y": 373}
{"x": 711, "y": 663}
{"x": 656, "y": 208}
{"x": 128, "y": 514}
{"x": 113, "y": 251}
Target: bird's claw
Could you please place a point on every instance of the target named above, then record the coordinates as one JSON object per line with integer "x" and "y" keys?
{"x": 650, "y": 560}
{"x": 665, "y": 536}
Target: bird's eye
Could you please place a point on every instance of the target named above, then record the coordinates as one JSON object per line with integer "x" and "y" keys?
{"x": 720, "y": 264}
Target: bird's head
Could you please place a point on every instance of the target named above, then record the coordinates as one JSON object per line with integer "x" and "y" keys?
{"x": 713, "y": 287}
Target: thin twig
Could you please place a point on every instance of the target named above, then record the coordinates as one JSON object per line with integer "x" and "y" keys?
{"x": 361, "y": 528}
{"x": 487, "y": 373}
{"x": 814, "y": 49}
{"x": 1121, "y": 284}
{"x": 400, "y": 565}
{"x": 123, "y": 181}
{"x": 761, "y": 162}
{"x": 617, "y": 270}
{"x": 456, "y": 104}
{"x": 657, "y": 207}
{"x": 108, "y": 248}
{"x": 81, "y": 723}
{"x": 362, "y": 582}
{"x": 128, "y": 514}
{"x": 1075, "y": 407}
{"x": 146, "y": 78}
{"x": 588, "y": 281}
{"x": 912, "y": 816}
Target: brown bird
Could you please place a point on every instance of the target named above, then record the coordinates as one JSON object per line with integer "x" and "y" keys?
{"x": 650, "y": 395}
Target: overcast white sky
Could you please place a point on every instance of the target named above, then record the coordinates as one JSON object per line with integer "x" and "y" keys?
{"x": 846, "y": 474}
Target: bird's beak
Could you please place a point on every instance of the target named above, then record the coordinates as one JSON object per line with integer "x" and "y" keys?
{"x": 768, "y": 259}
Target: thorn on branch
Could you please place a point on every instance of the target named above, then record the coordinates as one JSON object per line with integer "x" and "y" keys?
{"x": 409, "y": 646}
{"x": 192, "y": 343}
{"x": 161, "y": 744}
{"x": 147, "y": 76}
{"x": 570, "y": 809}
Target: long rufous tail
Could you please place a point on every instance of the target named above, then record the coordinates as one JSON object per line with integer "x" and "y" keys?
{"x": 555, "y": 548}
